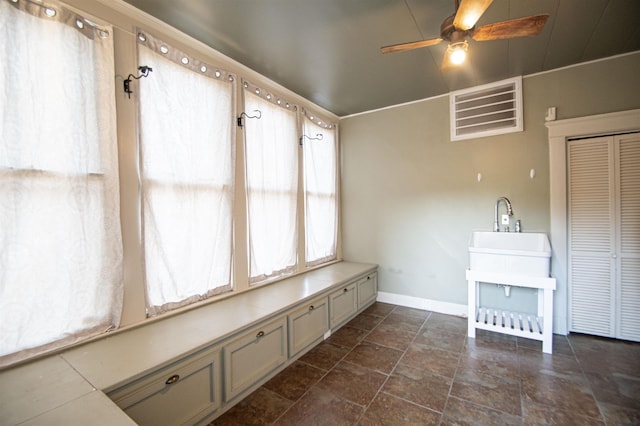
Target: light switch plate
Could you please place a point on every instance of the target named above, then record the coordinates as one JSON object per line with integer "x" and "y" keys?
{"x": 505, "y": 219}
{"x": 551, "y": 114}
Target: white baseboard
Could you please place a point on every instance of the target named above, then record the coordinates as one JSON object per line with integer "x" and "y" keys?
{"x": 418, "y": 303}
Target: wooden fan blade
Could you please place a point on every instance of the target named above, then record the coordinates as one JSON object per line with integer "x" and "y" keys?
{"x": 410, "y": 46}
{"x": 469, "y": 12}
{"x": 521, "y": 27}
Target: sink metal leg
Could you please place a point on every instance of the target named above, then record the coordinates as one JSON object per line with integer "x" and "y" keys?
{"x": 547, "y": 327}
{"x": 472, "y": 303}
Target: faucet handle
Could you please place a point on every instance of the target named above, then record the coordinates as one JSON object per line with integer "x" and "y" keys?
{"x": 518, "y": 226}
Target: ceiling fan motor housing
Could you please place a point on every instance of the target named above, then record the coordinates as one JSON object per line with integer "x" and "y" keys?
{"x": 462, "y": 24}
{"x": 449, "y": 32}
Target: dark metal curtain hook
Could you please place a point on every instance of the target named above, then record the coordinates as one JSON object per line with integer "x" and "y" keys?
{"x": 317, "y": 138}
{"x": 244, "y": 114}
{"x": 144, "y": 70}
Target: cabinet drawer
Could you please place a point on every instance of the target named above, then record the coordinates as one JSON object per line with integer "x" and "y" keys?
{"x": 308, "y": 324}
{"x": 343, "y": 304}
{"x": 253, "y": 355}
{"x": 367, "y": 290}
{"x": 182, "y": 393}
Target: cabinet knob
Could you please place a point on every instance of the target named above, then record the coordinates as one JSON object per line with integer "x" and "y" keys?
{"x": 260, "y": 333}
{"x": 311, "y": 308}
{"x": 368, "y": 278}
{"x": 346, "y": 290}
{"x": 171, "y": 380}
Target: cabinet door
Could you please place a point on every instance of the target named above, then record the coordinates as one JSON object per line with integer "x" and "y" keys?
{"x": 367, "y": 290}
{"x": 254, "y": 354}
{"x": 343, "y": 304}
{"x": 308, "y": 324}
{"x": 183, "y": 393}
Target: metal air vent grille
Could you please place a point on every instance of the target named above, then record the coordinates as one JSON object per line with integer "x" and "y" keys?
{"x": 491, "y": 109}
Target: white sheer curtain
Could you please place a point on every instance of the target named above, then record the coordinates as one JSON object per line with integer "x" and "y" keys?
{"x": 320, "y": 187}
{"x": 60, "y": 241}
{"x": 187, "y": 134}
{"x": 272, "y": 184}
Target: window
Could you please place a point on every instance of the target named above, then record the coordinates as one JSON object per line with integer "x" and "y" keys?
{"x": 272, "y": 184}
{"x": 186, "y": 143}
{"x": 60, "y": 240}
{"x": 64, "y": 274}
{"x": 320, "y": 186}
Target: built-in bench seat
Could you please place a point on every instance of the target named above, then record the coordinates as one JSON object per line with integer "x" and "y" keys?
{"x": 72, "y": 387}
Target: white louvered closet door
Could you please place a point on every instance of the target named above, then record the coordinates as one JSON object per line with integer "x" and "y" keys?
{"x": 591, "y": 269}
{"x": 627, "y": 149}
{"x": 604, "y": 236}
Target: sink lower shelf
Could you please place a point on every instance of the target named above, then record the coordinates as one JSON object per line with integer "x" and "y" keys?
{"x": 513, "y": 323}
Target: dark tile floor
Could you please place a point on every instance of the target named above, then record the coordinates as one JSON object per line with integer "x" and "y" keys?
{"x": 393, "y": 365}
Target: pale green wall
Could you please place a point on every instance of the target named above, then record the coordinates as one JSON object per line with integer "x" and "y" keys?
{"x": 410, "y": 195}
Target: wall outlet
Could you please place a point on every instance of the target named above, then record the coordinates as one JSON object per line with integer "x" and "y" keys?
{"x": 505, "y": 219}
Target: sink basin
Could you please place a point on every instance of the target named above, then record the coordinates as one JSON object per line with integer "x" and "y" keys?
{"x": 521, "y": 253}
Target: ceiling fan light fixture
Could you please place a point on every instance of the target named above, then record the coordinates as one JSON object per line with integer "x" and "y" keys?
{"x": 457, "y": 52}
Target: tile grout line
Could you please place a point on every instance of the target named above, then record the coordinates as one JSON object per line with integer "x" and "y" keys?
{"x": 588, "y": 382}
{"x": 361, "y": 416}
{"x": 474, "y": 403}
{"x": 395, "y": 366}
{"x": 334, "y": 366}
{"x": 520, "y": 387}
{"x": 446, "y": 402}
{"x": 314, "y": 384}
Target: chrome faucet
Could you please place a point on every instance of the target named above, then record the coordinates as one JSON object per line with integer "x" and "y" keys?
{"x": 496, "y": 224}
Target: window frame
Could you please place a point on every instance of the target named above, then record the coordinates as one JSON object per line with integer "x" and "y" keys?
{"x": 190, "y": 184}
{"x": 316, "y": 130}
{"x": 254, "y": 95}
{"x": 89, "y": 178}
{"x": 123, "y": 19}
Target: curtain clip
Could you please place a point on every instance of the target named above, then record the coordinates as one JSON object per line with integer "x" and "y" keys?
{"x": 145, "y": 70}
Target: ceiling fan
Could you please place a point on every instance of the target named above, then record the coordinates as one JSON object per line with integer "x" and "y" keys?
{"x": 457, "y": 27}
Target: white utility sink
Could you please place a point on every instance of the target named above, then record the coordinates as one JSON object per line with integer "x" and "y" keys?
{"x": 519, "y": 253}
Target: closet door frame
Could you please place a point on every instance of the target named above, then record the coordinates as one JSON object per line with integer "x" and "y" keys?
{"x": 559, "y": 132}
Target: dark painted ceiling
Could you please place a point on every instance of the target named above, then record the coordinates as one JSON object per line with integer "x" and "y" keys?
{"x": 328, "y": 51}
